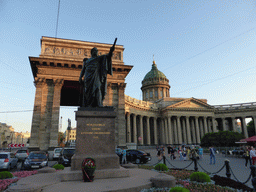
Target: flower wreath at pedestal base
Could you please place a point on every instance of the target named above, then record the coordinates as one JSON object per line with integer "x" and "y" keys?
{"x": 88, "y": 168}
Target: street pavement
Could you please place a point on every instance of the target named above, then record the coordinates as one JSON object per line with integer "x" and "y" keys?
{"x": 237, "y": 165}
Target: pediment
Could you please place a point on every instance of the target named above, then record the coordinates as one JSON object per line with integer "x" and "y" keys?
{"x": 191, "y": 103}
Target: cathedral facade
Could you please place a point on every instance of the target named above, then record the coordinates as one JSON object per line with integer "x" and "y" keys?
{"x": 157, "y": 119}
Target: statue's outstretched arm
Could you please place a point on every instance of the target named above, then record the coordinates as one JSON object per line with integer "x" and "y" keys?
{"x": 112, "y": 49}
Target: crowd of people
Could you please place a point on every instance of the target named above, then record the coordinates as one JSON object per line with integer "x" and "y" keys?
{"x": 249, "y": 155}
{"x": 185, "y": 153}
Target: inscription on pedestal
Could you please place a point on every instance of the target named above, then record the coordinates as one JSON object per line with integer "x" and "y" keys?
{"x": 96, "y": 138}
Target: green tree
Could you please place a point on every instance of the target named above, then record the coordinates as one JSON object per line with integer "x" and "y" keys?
{"x": 250, "y": 128}
{"x": 60, "y": 137}
{"x": 221, "y": 139}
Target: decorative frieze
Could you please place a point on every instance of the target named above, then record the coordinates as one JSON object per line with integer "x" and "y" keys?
{"x": 76, "y": 52}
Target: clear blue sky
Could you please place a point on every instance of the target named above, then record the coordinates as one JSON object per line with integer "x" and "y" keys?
{"x": 205, "y": 48}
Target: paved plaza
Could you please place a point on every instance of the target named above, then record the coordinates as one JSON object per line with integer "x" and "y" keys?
{"x": 140, "y": 178}
{"x": 237, "y": 165}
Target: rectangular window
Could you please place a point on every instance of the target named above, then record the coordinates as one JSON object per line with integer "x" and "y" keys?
{"x": 156, "y": 93}
{"x": 151, "y": 94}
{"x": 147, "y": 95}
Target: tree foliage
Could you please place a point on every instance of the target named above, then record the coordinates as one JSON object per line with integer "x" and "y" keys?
{"x": 60, "y": 137}
{"x": 250, "y": 128}
{"x": 221, "y": 139}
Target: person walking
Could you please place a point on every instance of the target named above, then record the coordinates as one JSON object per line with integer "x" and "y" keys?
{"x": 169, "y": 150}
{"x": 247, "y": 156}
{"x": 200, "y": 152}
{"x": 212, "y": 155}
{"x": 253, "y": 155}
{"x": 172, "y": 153}
{"x": 124, "y": 160}
{"x": 181, "y": 154}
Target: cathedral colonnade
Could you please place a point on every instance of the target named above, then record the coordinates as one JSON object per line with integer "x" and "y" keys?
{"x": 145, "y": 130}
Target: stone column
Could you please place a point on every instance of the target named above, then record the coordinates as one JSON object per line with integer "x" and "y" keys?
{"x": 209, "y": 126}
{"x": 193, "y": 130}
{"x": 148, "y": 130}
{"x": 205, "y": 125}
{"x": 184, "y": 130}
{"x": 128, "y": 124}
{"x": 58, "y": 83}
{"x": 214, "y": 125}
{"x": 166, "y": 131}
{"x": 155, "y": 131}
{"x": 201, "y": 128}
{"x": 141, "y": 130}
{"x": 120, "y": 127}
{"x": 179, "y": 130}
{"x": 110, "y": 94}
{"x": 134, "y": 129}
{"x": 40, "y": 84}
{"x": 254, "y": 123}
{"x": 223, "y": 124}
{"x": 188, "y": 130}
{"x": 170, "y": 130}
{"x": 197, "y": 131}
{"x": 175, "y": 130}
{"x": 233, "y": 119}
{"x": 162, "y": 133}
{"x": 244, "y": 127}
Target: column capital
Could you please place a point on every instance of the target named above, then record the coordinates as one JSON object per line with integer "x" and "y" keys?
{"x": 121, "y": 85}
{"x": 109, "y": 85}
{"x": 58, "y": 82}
{"x": 39, "y": 82}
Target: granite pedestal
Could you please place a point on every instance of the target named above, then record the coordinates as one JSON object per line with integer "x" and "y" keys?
{"x": 95, "y": 138}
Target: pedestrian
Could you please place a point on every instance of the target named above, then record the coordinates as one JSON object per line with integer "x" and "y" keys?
{"x": 181, "y": 154}
{"x": 158, "y": 154}
{"x": 247, "y": 156}
{"x": 253, "y": 155}
{"x": 185, "y": 154}
{"x": 194, "y": 154}
{"x": 169, "y": 150}
{"x": 162, "y": 151}
{"x": 124, "y": 161}
{"x": 200, "y": 152}
{"x": 212, "y": 155}
{"x": 172, "y": 153}
{"x": 188, "y": 152}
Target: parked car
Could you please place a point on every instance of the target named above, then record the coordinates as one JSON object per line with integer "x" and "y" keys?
{"x": 65, "y": 156}
{"x": 56, "y": 153}
{"x": 36, "y": 160}
{"x": 22, "y": 154}
{"x": 238, "y": 151}
{"x": 137, "y": 156}
{"x": 8, "y": 160}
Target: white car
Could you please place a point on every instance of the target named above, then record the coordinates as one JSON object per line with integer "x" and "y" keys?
{"x": 56, "y": 153}
{"x": 8, "y": 160}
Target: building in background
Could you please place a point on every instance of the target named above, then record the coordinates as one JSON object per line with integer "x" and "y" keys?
{"x": 70, "y": 137}
{"x": 9, "y": 136}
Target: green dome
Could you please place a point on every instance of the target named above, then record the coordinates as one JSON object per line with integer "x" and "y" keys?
{"x": 154, "y": 73}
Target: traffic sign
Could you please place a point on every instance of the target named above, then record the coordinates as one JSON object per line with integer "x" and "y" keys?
{"x": 140, "y": 138}
{"x": 16, "y": 145}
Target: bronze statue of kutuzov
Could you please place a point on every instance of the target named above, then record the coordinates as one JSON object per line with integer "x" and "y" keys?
{"x": 95, "y": 70}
